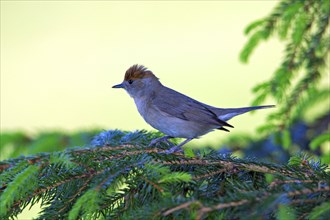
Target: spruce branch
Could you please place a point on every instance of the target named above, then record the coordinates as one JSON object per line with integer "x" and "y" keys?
{"x": 124, "y": 178}
{"x": 304, "y": 27}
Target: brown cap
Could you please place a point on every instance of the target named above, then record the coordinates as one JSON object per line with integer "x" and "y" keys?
{"x": 138, "y": 72}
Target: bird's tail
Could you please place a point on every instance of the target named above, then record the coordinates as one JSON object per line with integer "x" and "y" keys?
{"x": 227, "y": 113}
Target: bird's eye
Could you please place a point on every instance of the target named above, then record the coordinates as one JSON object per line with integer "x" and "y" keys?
{"x": 130, "y": 81}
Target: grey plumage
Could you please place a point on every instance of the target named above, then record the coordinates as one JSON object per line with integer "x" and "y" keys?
{"x": 185, "y": 107}
{"x": 189, "y": 109}
{"x": 173, "y": 113}
{"x": 228, "y": 113}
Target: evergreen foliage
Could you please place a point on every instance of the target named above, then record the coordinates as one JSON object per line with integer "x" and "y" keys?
{"x": 14, "y": 144}
{"x": 304, "y": 138}
{"x": 296, "y": 84}
{"x": 118, "y": 176}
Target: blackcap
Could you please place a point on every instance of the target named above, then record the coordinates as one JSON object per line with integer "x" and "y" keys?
{"x": 173, "y": 113}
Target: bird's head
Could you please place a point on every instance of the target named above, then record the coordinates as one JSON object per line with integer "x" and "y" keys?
{"x": 139, "y": 81}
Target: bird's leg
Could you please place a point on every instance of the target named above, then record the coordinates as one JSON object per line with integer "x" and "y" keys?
{"x": 178, "y": 147}
{"x": 162, "y": 139}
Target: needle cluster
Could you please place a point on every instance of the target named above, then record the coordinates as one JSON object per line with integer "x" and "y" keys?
{"x": 119, "y": 176}
{"x": 301, "y": 82}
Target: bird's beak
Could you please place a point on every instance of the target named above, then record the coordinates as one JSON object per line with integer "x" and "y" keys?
{"x": 118, "y": 86}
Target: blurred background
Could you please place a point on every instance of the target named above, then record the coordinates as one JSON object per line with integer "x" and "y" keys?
{"x": 59, "y": 60}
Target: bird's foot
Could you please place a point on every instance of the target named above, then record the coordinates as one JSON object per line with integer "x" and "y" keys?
{"x": 161, "y": 139}
{"x": 173, "y": 150}
{"x": 178, "y": 147}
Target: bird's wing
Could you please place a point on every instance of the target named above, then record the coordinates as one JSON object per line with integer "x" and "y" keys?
{"x": 175, "y": 104}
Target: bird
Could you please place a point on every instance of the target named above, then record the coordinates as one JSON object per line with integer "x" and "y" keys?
{"x": 173, "y": 113}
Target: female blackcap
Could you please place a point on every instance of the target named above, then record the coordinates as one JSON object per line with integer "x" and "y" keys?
{"x": 172, "y": 113}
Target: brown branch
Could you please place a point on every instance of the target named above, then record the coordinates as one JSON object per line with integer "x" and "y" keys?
{"x": 209, "y": 174}
{"x": 308, "y": 191}
{"x": 181, "y": 206}
{"x": 154, "y": 185}
{"x": 231, "y": 165}
{"x": 4, "y": 166}
{"x": 106, "y": 148}
{"x": 205, "y": 210}
{"x": 129, "y": 153}
{"x": 303, "y": 201}
{"x": 278, "y": 182}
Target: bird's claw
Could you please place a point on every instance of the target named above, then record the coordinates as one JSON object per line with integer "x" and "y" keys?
{"x": 161, "y": 139}
{"x": 173, "y": 150}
